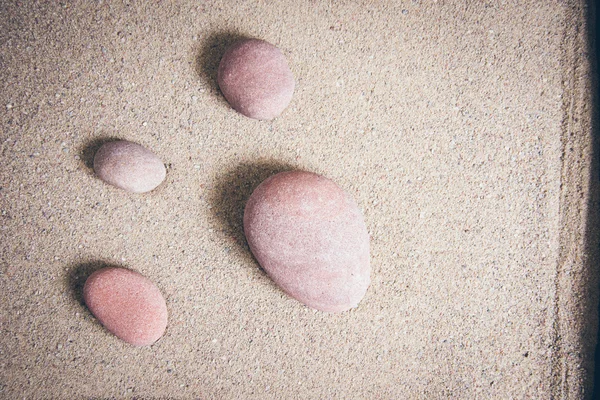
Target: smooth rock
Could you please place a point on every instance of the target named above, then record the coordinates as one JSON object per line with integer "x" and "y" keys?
{"x": 129, "y": 166}
{"x": 310, "y": 237}
{"x": 255, "y": 79}
{"x": 128, "y": 304}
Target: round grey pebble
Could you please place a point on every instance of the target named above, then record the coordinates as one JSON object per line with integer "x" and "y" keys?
{"x": 129, "y": 166}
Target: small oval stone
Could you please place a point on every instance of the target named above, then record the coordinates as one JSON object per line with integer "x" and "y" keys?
{"x": 310, "y": 237}
{"x": 129, "y": 166}
{"x": 128, "y": 304}
{"x": 255, "y": 79}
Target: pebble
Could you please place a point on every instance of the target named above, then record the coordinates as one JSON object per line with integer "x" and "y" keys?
{"x": 255, "y": 79}
{"x": 128, "y": 304}
{"x": 310, "y": 237}
{"x": 129, "y": 166}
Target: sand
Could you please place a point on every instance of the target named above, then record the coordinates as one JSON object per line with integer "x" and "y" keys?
{"x": 463, "y": 131}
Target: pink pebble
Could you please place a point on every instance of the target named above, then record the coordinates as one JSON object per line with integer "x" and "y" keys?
{"x": 129, "y": 166}
{"x": 128, "y": 304}
{"x": 310, "y": 237}
{"x": 255, "y": 79}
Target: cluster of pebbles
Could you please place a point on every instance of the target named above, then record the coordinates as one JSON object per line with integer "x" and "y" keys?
{"x": 306, "y": 232}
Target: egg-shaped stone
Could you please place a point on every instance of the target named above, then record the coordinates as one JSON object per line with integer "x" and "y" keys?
{"x": 126, "y": 303}
{"x": 310, "y": 237}
{"x": 255, "y": 78}
{"x": 129, "y": 166}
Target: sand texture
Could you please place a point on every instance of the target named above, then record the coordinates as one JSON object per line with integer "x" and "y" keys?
{"x": 461, "y": 128}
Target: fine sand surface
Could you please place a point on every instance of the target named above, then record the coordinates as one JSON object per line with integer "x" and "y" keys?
{"x": 462, "y": 129}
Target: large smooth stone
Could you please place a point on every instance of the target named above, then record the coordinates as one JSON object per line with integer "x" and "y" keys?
{"x": 310, "y": 237}
{"x": 128, "y": 304}
{"x": 255, "y": 79}
{"x": 129, "y": 166}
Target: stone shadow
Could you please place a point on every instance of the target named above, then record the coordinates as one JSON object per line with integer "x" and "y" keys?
{"x": 209, "y": 56}
{"x": 233, "y": 189}
{"x": 77, "y": 276}
{"x": 89, "y": 149}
